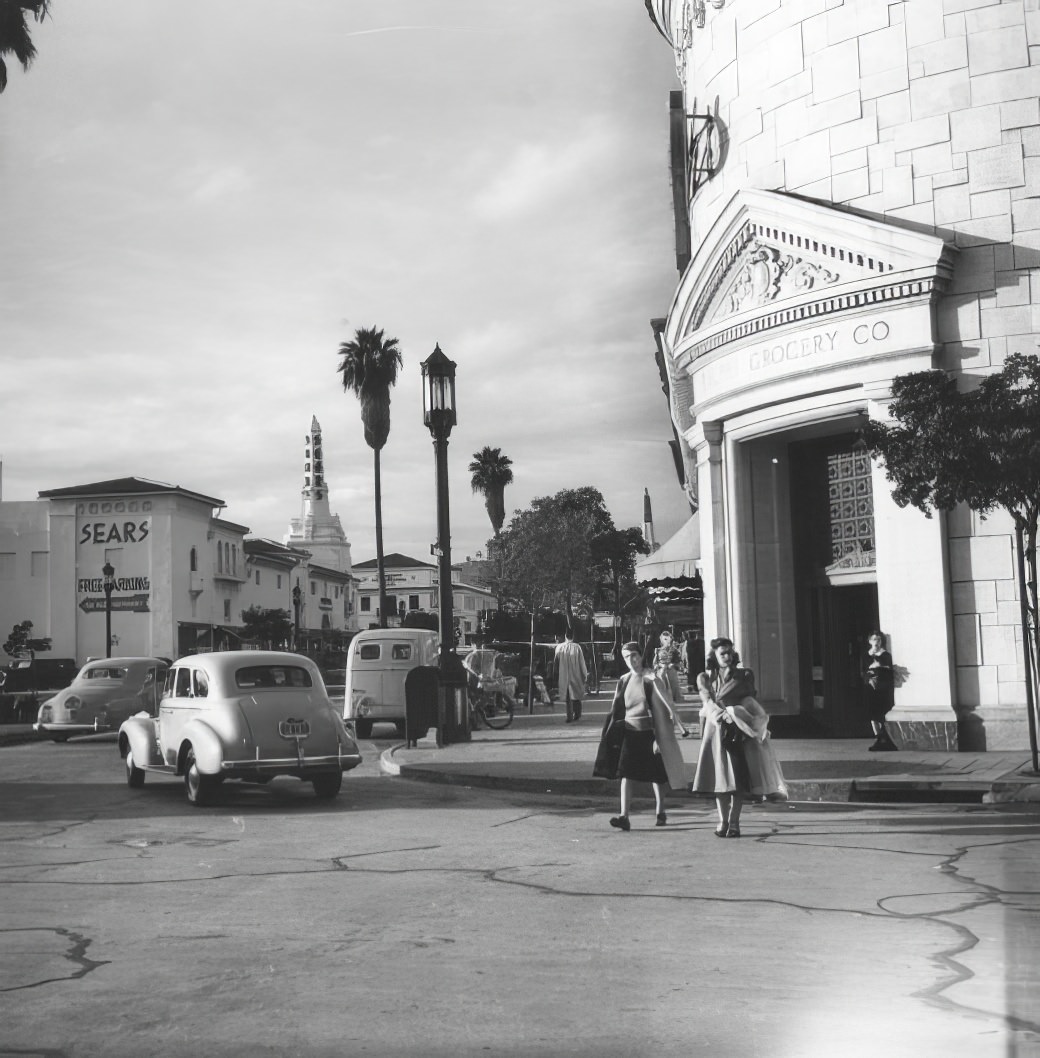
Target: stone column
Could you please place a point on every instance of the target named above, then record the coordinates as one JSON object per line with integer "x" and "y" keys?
{"x": 705, "y": 441}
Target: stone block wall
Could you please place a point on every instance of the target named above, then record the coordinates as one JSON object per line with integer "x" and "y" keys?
{"x": 923, "y": 114}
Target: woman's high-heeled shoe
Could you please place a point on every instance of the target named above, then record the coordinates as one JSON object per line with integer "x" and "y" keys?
{"x": 662, "y": 819}
{"x": 621, "y": 822}
{"x": 733, "y": 832}
{"x": 721, "y": 830}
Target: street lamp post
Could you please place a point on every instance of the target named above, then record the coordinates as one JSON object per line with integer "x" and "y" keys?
{"x": 109, "y": 583}
{"x": 296, "y": 615}
{"x": 439, "y": 415}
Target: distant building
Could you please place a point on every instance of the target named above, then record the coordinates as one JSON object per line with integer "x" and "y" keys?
{"x": 412, "y": 586}
{"x": 183, "y": 574}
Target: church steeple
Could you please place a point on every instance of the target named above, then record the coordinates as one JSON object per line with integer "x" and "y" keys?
{"x": 317, "y": 529}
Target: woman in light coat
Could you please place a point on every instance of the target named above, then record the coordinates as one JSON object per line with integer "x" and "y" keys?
{"x": 749, "y": 772}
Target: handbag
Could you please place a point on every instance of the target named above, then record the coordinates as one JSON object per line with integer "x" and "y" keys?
{"x": 733, "y": 738}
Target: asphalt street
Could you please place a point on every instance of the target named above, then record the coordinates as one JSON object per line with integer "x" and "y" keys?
{"x": 413, "y": 919}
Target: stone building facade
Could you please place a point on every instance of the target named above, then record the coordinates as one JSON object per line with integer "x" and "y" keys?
{"x": 857, "y": 196}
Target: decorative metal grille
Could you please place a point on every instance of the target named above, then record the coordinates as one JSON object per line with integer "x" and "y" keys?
{"x": 851, "y": 502}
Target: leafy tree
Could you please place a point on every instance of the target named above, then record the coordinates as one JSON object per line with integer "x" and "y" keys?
{"x": 546, "y": 551}
{"x": 980, "y": 447}
{"x": 15, "y": 38}
{"x": 491, "y": 472}
{"x": 270, "y": 628}
{"x": 614, "y": 558}
{"x": 21, "y": 642}
{"x": 369, "y": 365}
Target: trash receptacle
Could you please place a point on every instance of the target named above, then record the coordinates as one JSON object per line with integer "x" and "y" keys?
{"x": 421, "y": 687}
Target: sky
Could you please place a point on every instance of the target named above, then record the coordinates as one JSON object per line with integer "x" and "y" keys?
{"x": 199, "y": 202}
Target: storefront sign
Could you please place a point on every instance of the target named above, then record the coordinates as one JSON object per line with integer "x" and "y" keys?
{"x": 837, "y": 344}
{"x": 120, "y": 603}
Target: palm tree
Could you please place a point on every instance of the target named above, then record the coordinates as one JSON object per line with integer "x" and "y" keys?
{"x": 491, "y": 473}
{"x": 14, "y": 33}
{"x": 369, "y": 366}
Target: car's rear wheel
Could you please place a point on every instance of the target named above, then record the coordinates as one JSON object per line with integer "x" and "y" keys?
{"x": 327, "y": 786}
{"x": 363, "y": 728}
{"x": 134, "y": 775}
{"x": 198, "y": 787}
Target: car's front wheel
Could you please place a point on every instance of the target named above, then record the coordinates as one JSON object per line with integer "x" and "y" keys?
{"x": 327, "y": 786}
{"x": 198, "y": 787}
{"x": 134, "y": 774}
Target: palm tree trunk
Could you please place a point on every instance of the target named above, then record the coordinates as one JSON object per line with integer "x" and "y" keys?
{"x": 380, "y": 572}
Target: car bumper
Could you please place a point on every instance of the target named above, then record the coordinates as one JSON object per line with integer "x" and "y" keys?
{"x": 52, "y": 727}
{"x": 290, "y": 765}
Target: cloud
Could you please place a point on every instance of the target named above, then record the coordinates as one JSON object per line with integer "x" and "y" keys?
{"x": 541, "y": 171}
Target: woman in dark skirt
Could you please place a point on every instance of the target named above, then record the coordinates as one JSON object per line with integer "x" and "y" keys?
{"x": 878, "y": 676}
{"x": 638, "y": 741}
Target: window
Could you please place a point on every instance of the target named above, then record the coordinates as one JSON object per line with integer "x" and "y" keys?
{"x": 369, "y": 651}
{"x": 401, "y": 651}
{"x": 182, "y": 688}
{"x": 272, "y": 676}
{"x": 227, "y": 609}
{"x": 193, "y": 560}
{"x": 366, "y": 604}
{"x": 39, "y": 563}
{"x": 413, "y": 602}
{"x": 7, "y": 565}
{"x": 105, "y": 672}
{"x": 314, "y": 587}
{"x": 220, "y": 558}
{"x": 279, "y": 580}
{"x": 234, "y": 558}
{"x": 258, "y": 576}
{"x": 200, "y": 684}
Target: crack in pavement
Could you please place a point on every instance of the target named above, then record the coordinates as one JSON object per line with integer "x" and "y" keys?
{"x": 75, "y": 953}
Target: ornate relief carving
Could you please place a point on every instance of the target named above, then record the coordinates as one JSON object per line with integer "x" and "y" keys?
{"x": 765, "y": 274}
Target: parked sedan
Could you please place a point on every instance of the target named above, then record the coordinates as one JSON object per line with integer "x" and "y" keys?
{"x": 102, "y": 696}
{"x": 249, "y": 715}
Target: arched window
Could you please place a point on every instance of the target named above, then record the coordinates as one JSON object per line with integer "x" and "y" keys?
{"x": 220, "y": 558}
{"x": 234, "y": 558}
{"x": 227, "y": 557}
{"x": 193, "y": 560}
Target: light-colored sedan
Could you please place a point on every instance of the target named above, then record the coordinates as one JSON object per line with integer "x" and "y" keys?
{"x": 104, "y": 693}
{"x": 249, "y": 715}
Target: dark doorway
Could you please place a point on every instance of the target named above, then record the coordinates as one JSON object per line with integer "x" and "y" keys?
{"x": 837, "y": 602}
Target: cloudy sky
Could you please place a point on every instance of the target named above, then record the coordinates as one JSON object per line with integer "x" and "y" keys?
{"x": 199, "y": 202}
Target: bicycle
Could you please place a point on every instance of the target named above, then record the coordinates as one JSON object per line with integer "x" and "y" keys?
{"x": 494, "y": 708}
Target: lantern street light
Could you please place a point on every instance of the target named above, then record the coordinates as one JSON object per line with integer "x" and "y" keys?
{"x": 109, "y": 583}
{"x": 296, "y": 615}
{"x": 439, "y": 415}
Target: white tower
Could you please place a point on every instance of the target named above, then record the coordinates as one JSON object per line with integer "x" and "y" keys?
{"x": 648, "y": 522}
{"x": 317, "y": 530}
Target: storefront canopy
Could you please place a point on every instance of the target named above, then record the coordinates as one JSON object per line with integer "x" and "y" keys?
{"x": 676, "y": 559}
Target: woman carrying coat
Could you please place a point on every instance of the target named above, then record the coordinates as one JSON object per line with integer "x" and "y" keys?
{"x": 638, "y": 741}
{"x": 736, "y": 773}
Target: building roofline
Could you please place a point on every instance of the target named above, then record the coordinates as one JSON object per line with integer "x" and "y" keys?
{"x": 131, "y": 486}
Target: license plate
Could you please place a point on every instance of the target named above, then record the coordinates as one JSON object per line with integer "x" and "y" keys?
{"x": 293, "y": 728}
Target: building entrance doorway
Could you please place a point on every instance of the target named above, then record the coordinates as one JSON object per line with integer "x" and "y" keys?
{"x": 837, "y": 602}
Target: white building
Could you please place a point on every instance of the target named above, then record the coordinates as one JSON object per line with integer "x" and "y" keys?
{"x": 856, "y": 188}
{"x": 412, "y": 587}
{"x": 184, "y": 575}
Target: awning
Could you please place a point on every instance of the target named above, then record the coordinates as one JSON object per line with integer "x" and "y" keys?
{"x": 676, "y": 558}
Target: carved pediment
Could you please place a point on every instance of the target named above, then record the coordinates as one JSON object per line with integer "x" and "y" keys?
{"x": 768, "y": 251}
{"x": 763, "y": 274}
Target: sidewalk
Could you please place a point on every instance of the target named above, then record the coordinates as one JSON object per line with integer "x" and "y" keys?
{"x": 541, "y": 754}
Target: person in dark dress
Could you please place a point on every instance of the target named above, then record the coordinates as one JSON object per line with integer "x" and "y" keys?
{"x": 638, "y": 740}
{"x": 879, "y": 681}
